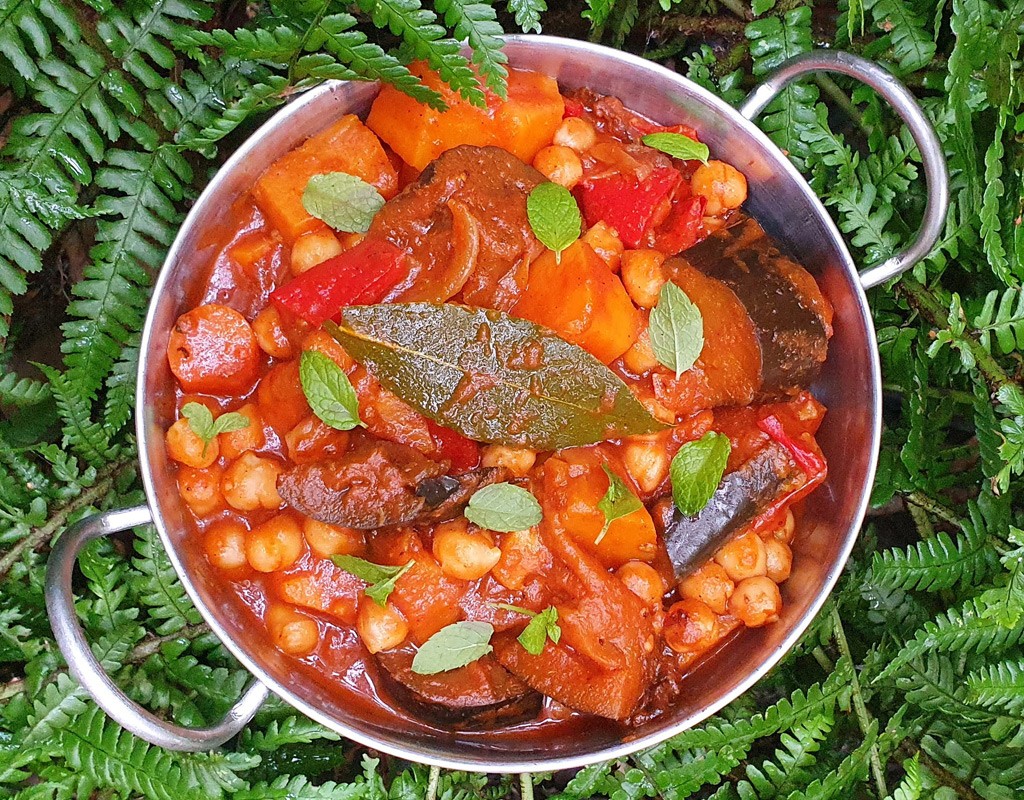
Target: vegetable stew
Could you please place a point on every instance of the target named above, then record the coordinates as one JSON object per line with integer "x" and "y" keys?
{"x": 499, "y": 416}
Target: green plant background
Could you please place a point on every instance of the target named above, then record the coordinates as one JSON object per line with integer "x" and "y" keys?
{"x": 112, "y": 117}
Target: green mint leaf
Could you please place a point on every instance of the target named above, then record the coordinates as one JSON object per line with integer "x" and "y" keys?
{"x": 678, "y": 146}
{"x": 382, "y": 578}
{"x": 676, "y": 329}
{"x": 200, "y": 420}
{"x": 329, "y": 391}
{"x": 697, "y": 470}
{"x": 554, "y": 216}
{"x": 542, "y": 627}
{"x": 232, "y": 421}
{"x": 619, "y": 501}
{"x": 343, "y": 201}
{"x": 503, "y": 507}
{"x": 452, "y": 647}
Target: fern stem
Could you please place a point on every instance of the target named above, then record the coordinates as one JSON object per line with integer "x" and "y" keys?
{"x": 823, "y": 660}
{"x": 151, "y": 645}
{"x": 909, "y": 748}
{"x": 432, "y": 781}
{"x": 863, "y": 717}
{"x": 924, "y": 526}
{"x": 41, "y": 535}
{"x": 935, "y": 312}
{"x": 926, "y": 503}
{"x": 526, "y": 786}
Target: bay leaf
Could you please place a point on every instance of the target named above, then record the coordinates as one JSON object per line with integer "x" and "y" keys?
{"x": 490, "y": 376}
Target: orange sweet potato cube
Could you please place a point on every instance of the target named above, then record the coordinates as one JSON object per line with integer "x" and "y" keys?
{"x": 346, "y": 146}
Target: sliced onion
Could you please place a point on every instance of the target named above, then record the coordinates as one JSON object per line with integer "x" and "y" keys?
{"x": 465, "y": 249}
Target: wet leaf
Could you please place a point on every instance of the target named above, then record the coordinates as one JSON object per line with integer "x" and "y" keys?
{"x": 490, "y": 376}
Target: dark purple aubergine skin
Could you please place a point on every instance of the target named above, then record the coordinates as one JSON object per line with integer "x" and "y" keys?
{"x": 740, "y": 497}
{"x": 792, "y": 335}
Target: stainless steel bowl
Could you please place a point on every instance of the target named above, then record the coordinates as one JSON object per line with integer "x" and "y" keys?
{"x": 849, "y": 385}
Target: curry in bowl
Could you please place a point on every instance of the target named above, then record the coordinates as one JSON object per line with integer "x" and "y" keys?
{"x": 499, "y": 416}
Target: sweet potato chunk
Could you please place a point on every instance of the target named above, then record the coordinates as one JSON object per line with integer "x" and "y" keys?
{"x": 346, "y": 146}
{"x": 523, "y": 124}
{"x": 581, "y": 300}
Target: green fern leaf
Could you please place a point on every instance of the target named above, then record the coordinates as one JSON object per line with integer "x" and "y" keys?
{"x": 910, "y": 40}
{"x": 290, "y": 730}
{"x": 158, "y": 586}
{"x": 790, "y": 116}
{"x": 25, "y": 35}
{"x": 427, "y": 40}
{"x": 288, "y": 787}
{"x": 991, "y": 204}
{"x": 851, "y": 770}
{"x": 22, "y": 392}
{"x": 598, "y": 11}
{"x": 912, "y": 785}
{"x": 790, "y": 768}
{"x": 87, "y": 438}
{"x": 999, "y": 685}
{"x": 1004, "y": 322}
{"x": 113, "y": 757}
{"x": 477, "y": 23}
{"x": 528, "y": 14}
{"x": 939, "y": 562}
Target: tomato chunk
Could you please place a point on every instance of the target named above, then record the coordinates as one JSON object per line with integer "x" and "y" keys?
{"x": 625, "y": 202}
{"x": 212, "y": 349}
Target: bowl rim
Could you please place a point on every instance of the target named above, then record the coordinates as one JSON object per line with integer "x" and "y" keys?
{"x": 624, "y": 747}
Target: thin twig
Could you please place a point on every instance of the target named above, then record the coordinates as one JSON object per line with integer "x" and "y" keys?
{"x": 863, "y": 717}
{"x": 526, "y": 786}
{"x": 823, "y": 660}
{"x": 41, "y": 535}
{"x": 923, "y": 501}
{"x": 432, "y": 781}
{"x": 151, "y": 645}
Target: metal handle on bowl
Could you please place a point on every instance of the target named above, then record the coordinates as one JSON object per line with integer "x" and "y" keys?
{"x": 60, "y": 605}
{"x": 897, "y": 95}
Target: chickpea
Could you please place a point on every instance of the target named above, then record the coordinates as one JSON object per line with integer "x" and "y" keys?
{"x": 380, "y": 628}
{"x": 743, "y": 557}
{"x": 517, "y": 460}
{"x": 330, "y": 540}
{"x": 711, "y": 585}
{"x": 224, "y": 544}
{"x": 640, "y": 358}
{"x": 200, "y": 489}
{"x": 274, "y": 545}
{"x": 291, "y": 631}
{"x": 756, "y": 602}
{"x": 642, "y": 580}
{"x": 786, "y": 531}
{"x": 643, "y": 276}
{"x": 779, "y": 559}
{"x": 185, "y": 446}
{"x": 576, "y": 133}
{"x": 722, "y": 184}
{"x": 690, "y": 627}
{"x": 251, "y": 437}
{"x": 646, "y": 461}
{"x": 251, "y": 483}
{"x": 313, "y": 248}
{"x": 462, "y": 554}
{"x": 559, "y": 165}
{"x": 606, "y": 243}
{"x": 270, "y": 335}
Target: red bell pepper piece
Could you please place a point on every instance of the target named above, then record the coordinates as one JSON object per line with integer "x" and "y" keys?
{"x": 807, "y": 457}
{"x": 359, "y": 276}
{"x": 684, "y": 226}
{"x": 573, "y": 108}
{"x": 626, "y": 203}
{"x": 463, "y": 453}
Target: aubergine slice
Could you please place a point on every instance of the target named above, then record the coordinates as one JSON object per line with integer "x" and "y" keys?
{"x": 377, "y": 484}
{"x": 791, "y": 317}
{"x": 741, "y": 496}
{"x": 479, "y": 694}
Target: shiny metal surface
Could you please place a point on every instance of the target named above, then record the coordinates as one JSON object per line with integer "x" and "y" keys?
{"x": 60, "y": 607}
{"x": 849, "y": 386}
{"x": 895, "y": 93}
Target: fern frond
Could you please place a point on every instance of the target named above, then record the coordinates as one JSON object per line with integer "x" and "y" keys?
{"x": 110, "y": 303}
{"x": 297, "y": 787}
{"x": 851, "y": 770}
{"x": 991, "y": 205}
{"x": 935, "y": 563}
{"x": 528, "y": 14}
{"x": 911, "y": 42}
{"x": 477, "y": 23}
{"x": 86, "y": 437}
{"x": 790, "y": 116}
{"x": 425, "y": 39}
{"x": 158, "y": 585}
{"x": 789, "y": 770}
{"x": 110, "y": 755}
{"x": 598, "y": 11}
{"x": 290, "y": 730}
{"x": 912, "y": 785}
{"x": 22, "y": 392}
{"x": 1001, "y": 318}
{"x": 999, "y": 685}
{"x": 25, "y": 32}
{"x": 866, "y": 220}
